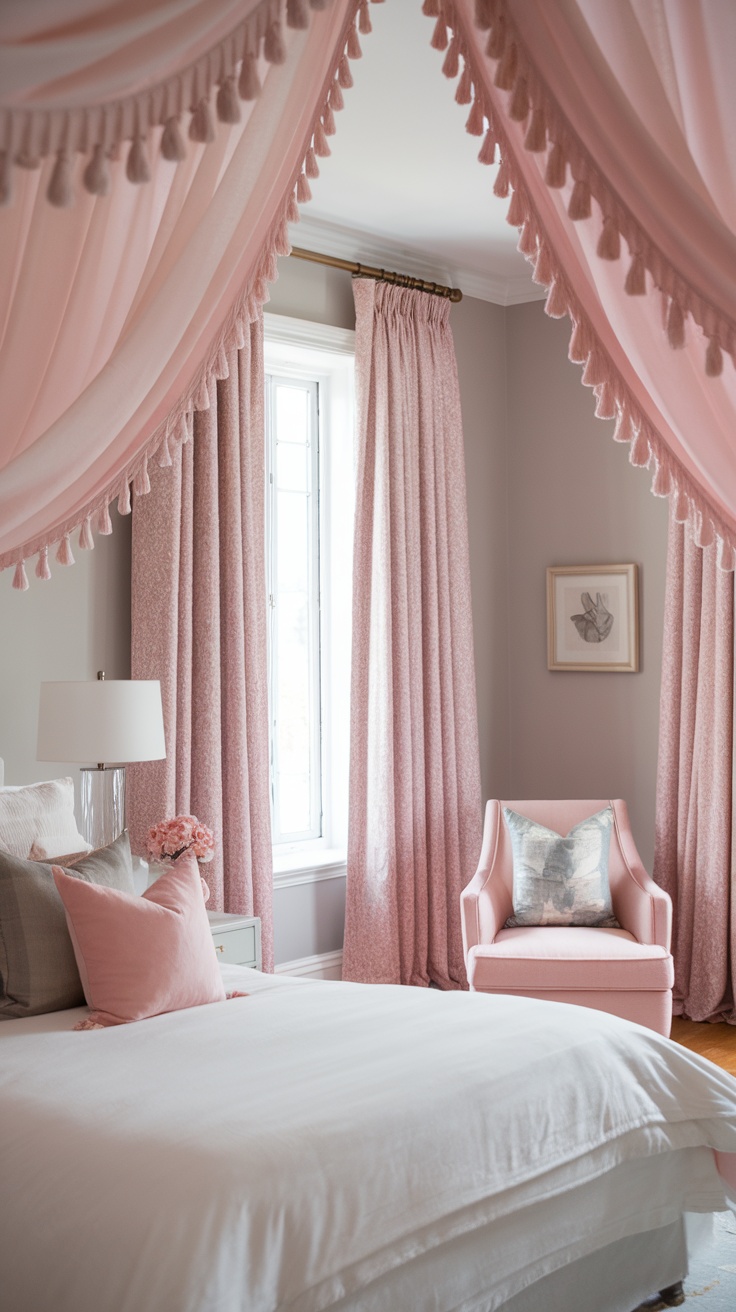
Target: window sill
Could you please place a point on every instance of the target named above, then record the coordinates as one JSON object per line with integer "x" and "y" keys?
{"x": 309, "y": 867}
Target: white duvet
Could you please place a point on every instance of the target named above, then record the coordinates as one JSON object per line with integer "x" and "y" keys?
{"x": 294, "y": 1148}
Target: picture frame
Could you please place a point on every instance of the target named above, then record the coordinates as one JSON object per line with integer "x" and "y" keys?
{"x": 593, "y": 618}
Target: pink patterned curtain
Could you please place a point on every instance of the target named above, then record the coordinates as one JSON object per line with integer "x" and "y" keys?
{"x": 694, "y": 856}
{"x": 415, "y": 805}
{"x": 199, "y": 625}
{"x": 150, "y": 158}
{"x": 613, "y": 119}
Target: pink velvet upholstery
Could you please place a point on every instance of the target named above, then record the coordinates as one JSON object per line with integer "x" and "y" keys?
{"x": 626, "y": 971}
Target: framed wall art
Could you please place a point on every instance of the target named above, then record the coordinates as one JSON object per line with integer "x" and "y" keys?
{"x": 593, "y": 618}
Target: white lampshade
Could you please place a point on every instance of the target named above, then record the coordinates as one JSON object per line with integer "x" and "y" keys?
{"x": 102, "y": 720}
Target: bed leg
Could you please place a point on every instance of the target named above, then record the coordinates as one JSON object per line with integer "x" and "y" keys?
{"x": 673, "y": 1295}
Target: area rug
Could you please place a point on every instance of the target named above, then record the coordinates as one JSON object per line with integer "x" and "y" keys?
{"x": 711, "y": 1283}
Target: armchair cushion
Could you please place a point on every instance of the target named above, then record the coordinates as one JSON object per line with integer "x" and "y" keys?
{"x": 535, "y": 959}
{"x": 561, "y": 880}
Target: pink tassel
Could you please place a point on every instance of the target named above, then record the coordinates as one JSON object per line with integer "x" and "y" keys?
{"x": 556, "y": 303}
{"x": 543, "y": 271}
{"x": 172, "y": 142}
{"x": 528, "y": 240}
{"x": 662, "y": 481}
{"x": 64, "y": 552}
{"x": 640, "y": 453}
{"x": 579, "y": 204}
{"x": 502, "y": 183}
{"x": 6, "y": 177}
{"x": 26, "y": 161}
{"x": 464, "y": 89}
{"x": 439, "y": 36}
{"x": 273, "y": 46}
{"x": 59, "y": 191}
{"x": 297, "y": 15}
{"x": 487, "y": 152}
{"x": 42, "y": 565}
{"x": 20, "y": 578}
{"x": 269, "y": 270}
{"x": 319, "y": 5}
{"x": 609, "y": 242}
{"x": 354, "y": 50}
{"x": 104, "y": 522}
{"x": 86, "y": 541}
{"x": 476, "y": 123}
{"x": 164, "y": 454}
{"x": 484, "y": 11}
{"x": 124, "y": 498}
{"x": 506, "y": 71}
{"x": 536, "y": 137}
{"x": 496, "y": 43}
{"x": 624, "y": 430}
{"x": 311, "y": 167}
{"x": 303, "y": 189}
{"x": 344, "y": 76}
{"x": 675, "y": 325}
{"x": 636, "y": 283}
{"x": 713, "y": 359}
{"x": 321, "y": 144}
{"x": 555, "y": 174}
{"x": 227, "y": 103}
{"x": 282, "y": 245}
{"x": 364, "y": 20}
{"x": 141, "y": 482}
{"x": 96, "y": 176}
{"x": 519, "y": 102}
{"x": 337, "y": 99}
{"x": 451, "y": 62}
{"x": 136, "y": 165}
{"x": 249, "y": 83}
{"x": 681, "y": 506}
{"x": 595, "y": 371}
{"x": 606, "y": 402}
{"x": 201, "y": 127}
{"x": 292, "y": 209}
{"x": 201, "y": 398}
{"x": 517, "y": 211}
{"x": 328, "y": 119}
{"x": 431, "y": 8}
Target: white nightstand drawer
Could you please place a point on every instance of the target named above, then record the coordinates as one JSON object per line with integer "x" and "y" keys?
{"x": 237, "y": 939}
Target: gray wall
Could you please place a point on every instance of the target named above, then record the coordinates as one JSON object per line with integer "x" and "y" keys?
{"x": 575, "y": 499}
{"x": 546, "y": 485}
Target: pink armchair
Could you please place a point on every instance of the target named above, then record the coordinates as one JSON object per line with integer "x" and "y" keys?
{"x": 626, "y": 971}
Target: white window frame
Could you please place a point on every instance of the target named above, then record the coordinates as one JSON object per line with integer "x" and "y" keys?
{"x": 297, "y": 348}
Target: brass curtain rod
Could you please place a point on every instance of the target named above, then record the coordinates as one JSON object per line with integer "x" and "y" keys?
{"x": 383, "y": 275}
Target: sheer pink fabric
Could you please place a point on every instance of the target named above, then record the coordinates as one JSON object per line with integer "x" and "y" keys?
{"x": 118, "y": 312}
{"x": 621, "y": 110}
{"x": 694, "y": 840}
{"x": 199, "y": 625}
{"x": 415, "y": 806}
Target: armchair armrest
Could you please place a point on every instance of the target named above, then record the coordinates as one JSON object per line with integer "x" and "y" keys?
{"x": 485, "y": 904}
{"x": 640, "y": 905}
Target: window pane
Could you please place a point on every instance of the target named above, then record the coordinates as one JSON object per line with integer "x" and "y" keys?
{"x": 292, "y": 414}
{"x": 293, "y": 543}
{"x": 292, "y": 469}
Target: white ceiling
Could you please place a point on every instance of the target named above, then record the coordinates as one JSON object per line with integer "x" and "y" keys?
{"x": 403, "y": 187}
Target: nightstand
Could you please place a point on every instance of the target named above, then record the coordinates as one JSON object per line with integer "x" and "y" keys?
{"x": 237, "y": 938}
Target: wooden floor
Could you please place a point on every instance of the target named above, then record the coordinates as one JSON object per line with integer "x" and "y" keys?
{"x": 716, "y": 1042}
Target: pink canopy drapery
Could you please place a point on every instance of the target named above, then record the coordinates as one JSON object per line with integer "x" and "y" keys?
{"x": 118, "y": 309}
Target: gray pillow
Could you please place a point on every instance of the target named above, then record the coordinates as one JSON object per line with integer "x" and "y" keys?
{"x": 561, "y": 881}
{"x": 38, "y": 971}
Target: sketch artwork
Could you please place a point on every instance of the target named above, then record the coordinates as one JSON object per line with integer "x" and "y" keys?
{"x": 596, "y": 622}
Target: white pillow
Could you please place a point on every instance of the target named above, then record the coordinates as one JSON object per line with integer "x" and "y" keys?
{"x": 40, "y": 814}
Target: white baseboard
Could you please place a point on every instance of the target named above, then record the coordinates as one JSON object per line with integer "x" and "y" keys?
{"x": 325, "y": 965}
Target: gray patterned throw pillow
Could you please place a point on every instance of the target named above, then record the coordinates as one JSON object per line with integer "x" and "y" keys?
{"x": 561, "y": 881}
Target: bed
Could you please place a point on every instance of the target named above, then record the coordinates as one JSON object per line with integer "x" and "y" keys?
{"x": 319, "y": 1145}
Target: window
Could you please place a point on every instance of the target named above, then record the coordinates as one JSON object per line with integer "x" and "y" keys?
{"x": 309, "y": 525}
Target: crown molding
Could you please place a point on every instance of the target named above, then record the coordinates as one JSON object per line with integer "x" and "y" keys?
{"x": 351, "y": 244}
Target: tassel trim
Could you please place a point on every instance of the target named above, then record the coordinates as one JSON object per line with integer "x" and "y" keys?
{"x": 170, "y": 436}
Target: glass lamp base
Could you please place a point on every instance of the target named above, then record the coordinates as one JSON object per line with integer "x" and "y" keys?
{"x": 103, "y": 804}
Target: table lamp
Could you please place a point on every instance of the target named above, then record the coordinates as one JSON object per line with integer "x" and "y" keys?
{"x": 103, "y": 720}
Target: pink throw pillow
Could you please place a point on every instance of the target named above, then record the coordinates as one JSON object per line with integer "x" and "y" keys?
{"x": 141, "y": 956}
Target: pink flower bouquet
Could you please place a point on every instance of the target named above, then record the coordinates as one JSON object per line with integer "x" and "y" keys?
{"x": 171, "y": 838}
